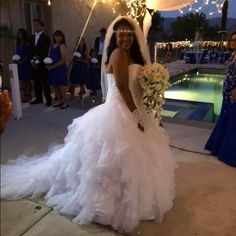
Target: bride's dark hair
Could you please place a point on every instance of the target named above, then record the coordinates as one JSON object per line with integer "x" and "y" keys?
{"x": 135, "y": 53}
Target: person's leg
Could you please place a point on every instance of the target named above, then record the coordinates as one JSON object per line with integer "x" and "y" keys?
{"x": 46, "y": 88}
{"x": 59, "y": 97}
{"x": 37, "y": 87}
{"x": 62, "y": 90}
{"x": 82, "y": 92}
{"x": 72, "y": 89}
{"x": 24, "y": 92}
{"x": 28, "y": 90}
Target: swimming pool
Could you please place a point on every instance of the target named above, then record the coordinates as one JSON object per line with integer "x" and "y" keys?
{"x": 197, "y": 87}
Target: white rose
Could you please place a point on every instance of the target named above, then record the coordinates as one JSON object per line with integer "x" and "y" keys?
{"x": 77, "y": 54}
{"x": 94, "y": 60}
{"x": 36, "y": 61}
{"x": 15, "y": 57}
{"x": 47, "y": 60}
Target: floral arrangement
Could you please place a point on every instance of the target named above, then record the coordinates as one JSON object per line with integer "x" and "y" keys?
{"x": 77, "y": 54}
{"x": 47, "y": 60}
{"x": 16, "y": 57}
{"x": 35, "y": 60}
{"x": 154, "y": 80}
{"x": 94, "y": 60}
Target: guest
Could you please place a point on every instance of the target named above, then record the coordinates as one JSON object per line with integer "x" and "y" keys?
{"x": 222, "y": 142}
{"x": 79, "y": 71}
{"x": 57, "y": 71}
{"x": 94, "y": 81}
{"x": 99, "y": 43}
{"x": 168, "y": 50}
{"x": 39, "y": 46}
{"x": 24, "y": 66}
{"x": 5, "y": 109}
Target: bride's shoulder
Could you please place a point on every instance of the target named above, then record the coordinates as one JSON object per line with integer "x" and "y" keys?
{"x": 119, "y": 53}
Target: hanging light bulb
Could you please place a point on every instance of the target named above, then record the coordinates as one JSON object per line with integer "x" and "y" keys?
{"x": 49, "y": 2}
{"x": 136, "y": 8}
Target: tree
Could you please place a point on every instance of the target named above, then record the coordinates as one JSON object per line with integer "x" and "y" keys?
{"x": 185, "y": 27}
{"x": 156, "y": 27}
{"x": 224, "y": 14}
{"x": 211, "y": 33}
{"x": 223, "y": 22}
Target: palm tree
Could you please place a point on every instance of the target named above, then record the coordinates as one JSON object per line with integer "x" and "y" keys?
{"x": 224, "y": 17}
{"x": 224, "y": 14}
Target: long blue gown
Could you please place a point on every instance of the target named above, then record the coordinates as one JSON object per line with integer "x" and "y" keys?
{"x": 94, "y": 81}
{"x": 24, "y": 68}
{"x": 79, "y": 70}
{"x": 58, "y": 75}
{"x": 222, "y": 142}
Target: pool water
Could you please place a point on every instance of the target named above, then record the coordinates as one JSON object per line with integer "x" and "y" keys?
{"x": 197, "y": 87}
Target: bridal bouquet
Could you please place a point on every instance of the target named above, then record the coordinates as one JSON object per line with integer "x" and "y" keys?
{"x": 94, "y": 60}
{"x": 35, "y": 60}
{"x": 154, "y": 80}
{"x": 47, "y": 60}
{"x": 77, "y": 54}
{"x": 15, "y": 57}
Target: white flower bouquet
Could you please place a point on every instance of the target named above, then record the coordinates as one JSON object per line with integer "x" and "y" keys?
{"x": 154, "y": 80}
{"x": 94, "y": 60}
{"x": 47, "y": 61}
{"x": 35, "y": 60}
{"x": 77, "y": 54}
{"x": 16, "y": 57}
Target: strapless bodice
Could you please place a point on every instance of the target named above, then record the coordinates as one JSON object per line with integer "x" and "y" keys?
{"x": 133, "y": 84}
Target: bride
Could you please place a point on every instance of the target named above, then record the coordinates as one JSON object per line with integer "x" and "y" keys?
{"x": 115, "y": 166}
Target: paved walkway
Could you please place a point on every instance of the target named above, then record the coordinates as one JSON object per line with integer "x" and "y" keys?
{"x": 206, "y": 188}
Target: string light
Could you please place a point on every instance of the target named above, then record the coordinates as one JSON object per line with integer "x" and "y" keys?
{"x": 155, "y": 52}
{"x": 135, "y": 8}
{"x": 187, "y": 43}
{"x": 198, "y": 5}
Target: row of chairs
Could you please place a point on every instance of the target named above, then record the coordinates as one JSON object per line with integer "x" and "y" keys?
{"x": 206, "y": 57}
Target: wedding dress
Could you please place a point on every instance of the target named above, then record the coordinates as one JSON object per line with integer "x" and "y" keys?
{"x": 107, "y": 170}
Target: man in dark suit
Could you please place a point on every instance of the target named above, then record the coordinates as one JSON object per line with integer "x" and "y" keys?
{"x": 39, "y": 47}
{"x": 99, "y": 43}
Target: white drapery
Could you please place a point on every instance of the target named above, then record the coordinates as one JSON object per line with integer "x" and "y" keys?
{"x": 161, "y": 5}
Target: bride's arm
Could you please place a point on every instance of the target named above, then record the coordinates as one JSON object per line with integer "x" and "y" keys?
{"x": 120, "y": 65}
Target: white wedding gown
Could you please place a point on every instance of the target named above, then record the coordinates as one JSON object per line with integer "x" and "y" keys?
{"x": 107, "y": 171}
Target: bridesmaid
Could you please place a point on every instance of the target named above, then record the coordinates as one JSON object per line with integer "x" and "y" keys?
{"x": 57, "y": 71}
{"x": 94, "y": 80}
{"x": 222, "y": 142}
{"x": 79, "y": 71}
{"x": 24, "y": 66}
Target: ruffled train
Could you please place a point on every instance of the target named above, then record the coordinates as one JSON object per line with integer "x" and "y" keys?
{"x": 107, "y": 171}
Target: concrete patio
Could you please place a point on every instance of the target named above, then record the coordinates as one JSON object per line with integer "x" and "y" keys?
{"x": 206, "y": 188}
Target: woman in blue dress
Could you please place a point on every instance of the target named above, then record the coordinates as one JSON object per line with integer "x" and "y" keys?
{"x": 24, "y": 66}
{"x": 79, "y": 71}
{"x": 222, "y": 142}
{"x": 94, "y": 74}
{"x": 57, "y": 70}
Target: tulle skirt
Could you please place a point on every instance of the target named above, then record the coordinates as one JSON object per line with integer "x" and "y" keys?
{"x": 107, "y": 171}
